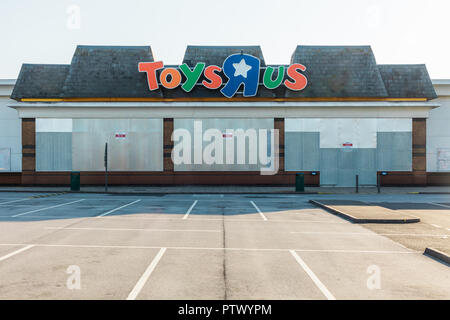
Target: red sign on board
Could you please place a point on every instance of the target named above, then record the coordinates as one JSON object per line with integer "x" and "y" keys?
{"x": 347, "y": 144}
{"x": 120, "y": 135}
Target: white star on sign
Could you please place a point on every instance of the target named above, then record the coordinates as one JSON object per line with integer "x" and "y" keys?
{"x": 241, "y": 68}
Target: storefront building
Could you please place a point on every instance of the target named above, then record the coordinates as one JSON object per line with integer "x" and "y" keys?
{"x": 337, "y": 112}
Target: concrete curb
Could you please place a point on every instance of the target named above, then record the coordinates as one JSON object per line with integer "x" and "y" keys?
{"x": 424, "y": 192}
{"x": 161, "y": 193}
{"x": 353, "y": 219}
{"x": 190, "y": 192}
{"x": 439, "y": 255}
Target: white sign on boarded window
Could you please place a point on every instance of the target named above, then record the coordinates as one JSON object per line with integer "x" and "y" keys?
{"x": 5, "y": 159}
{"x": 120, "y": 135}
{"x": 443, "y": 159}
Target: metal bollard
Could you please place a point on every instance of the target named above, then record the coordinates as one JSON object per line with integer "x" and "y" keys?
{"x": 357, "y": 183}
{"x": 74, "y": 181}
{"x": 378, "y": 183}
{"x": 299, "y": 182}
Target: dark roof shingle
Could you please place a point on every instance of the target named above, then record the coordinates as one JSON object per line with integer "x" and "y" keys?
{"x": 40, "y": 81}
{"x": 215, "y": 55}
{"x": 339, "y": 71}
{"x": 112, "y": 72}
{"x": 108, "y": 71}
{"x": 407, "y": 81}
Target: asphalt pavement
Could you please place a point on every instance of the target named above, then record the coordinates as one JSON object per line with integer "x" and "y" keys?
{"x": 200, "y": 246}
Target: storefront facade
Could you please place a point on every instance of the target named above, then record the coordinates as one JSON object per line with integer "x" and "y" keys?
{"x": 336, "y": 112}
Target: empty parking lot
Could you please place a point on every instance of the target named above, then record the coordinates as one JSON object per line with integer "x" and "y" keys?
{"x": 97, "y": 246}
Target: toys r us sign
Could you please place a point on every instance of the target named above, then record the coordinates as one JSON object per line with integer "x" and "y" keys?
{"x": 239, "y": 69}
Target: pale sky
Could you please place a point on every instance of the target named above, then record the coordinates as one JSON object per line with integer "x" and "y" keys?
{"x": 399, "y": 31}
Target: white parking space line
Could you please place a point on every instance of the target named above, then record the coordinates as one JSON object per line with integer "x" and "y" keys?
{"x": 313, "y": 277}
{"x": 16, "y": 252}
{"x": 128, "y": 217}
{"x": 121, "y": 207}
{"x": 132, "y": 229}
{"x": 12, "y": 201}
{"x": 259, "y": 211}
{"x": 141, "y": 282}
{"x": 42, "y": 209}
{"x": 435, "y": 225}
{"x": 215, "y": 248}
{"x": 189, "y": 210}
{"x": 371, "y": 234}
{"x": 440, "y": 205}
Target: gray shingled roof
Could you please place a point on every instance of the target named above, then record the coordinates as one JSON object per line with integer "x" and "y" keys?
{"x": 40, "y": 81}
{"x": 108, "y": 71}
{"x": 217, "y": 54}
{"x": 407, "y": 81}
{"x": 339, "y": 71}
{"x": 112, "y": 71}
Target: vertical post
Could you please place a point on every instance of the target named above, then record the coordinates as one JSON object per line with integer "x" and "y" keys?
{"x": 378, "y": 183}
{"x": 28, "y": 150}
{"x": 168, "y": 165}
{"x": 357, "y": 183}
{"x": 419, "y": 151}
{"x": 278, "y": 124}
{"x": 106, "y": 167}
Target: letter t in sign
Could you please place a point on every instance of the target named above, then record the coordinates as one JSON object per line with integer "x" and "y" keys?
{"x": 150, "y": 68}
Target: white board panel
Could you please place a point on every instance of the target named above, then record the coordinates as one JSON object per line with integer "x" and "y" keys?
{"x": 5, "y": 160}
{"x": 394, "y": 125}
{"x": 329, "y": 129}
{"x": 293, "y": 125}
{"x": 53, "y": 125}
{"x": 301, "y": 125}
{"x": 361, "y": 133}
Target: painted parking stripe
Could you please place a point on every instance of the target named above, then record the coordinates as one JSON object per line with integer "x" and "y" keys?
{"x": 440, "y": 205}
{"x": 313, "y": 277}
{"x": 435, "y": 225}
{"x": 132, "y": 229}
{"x": 42, "y": 209}
{"x": 9, "y": 255}
{"x": 121, "y": 207}
{"x": 141, "y": 282}
{"x": 189, "y": 210}
{"x": 12, "y": 201}
{"x": 259, "y": 211}
{"x": 409, "y": 251}
{"x": 371, "y": 234}
{"x": 128, "y": 217}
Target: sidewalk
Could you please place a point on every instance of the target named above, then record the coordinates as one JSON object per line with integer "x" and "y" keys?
{"x": 197, "y": 189}
{"x": 362, "y": 212}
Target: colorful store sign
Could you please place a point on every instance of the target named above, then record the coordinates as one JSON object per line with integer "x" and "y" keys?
{"x": 239, "y": 69}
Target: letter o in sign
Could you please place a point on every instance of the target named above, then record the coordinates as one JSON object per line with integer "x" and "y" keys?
{"x": 175, "y": 78}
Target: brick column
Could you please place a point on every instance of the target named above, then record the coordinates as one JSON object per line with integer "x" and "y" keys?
{"x": 278, "y": 123}
{"x": 28, "y": 150}
{"x": 419, "y": 151}
{"x": 168, "y": 144}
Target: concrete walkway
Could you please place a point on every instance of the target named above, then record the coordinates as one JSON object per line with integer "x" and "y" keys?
{"x": 197, "y": 189}
{"x": 362, "y": 212}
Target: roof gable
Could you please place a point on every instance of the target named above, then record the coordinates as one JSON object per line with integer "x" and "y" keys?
{"x": 40, "y": 81}
{"x": 108, "y": 71}
{"x": 407, "y": 81}
{"x": 339, "y": 71}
